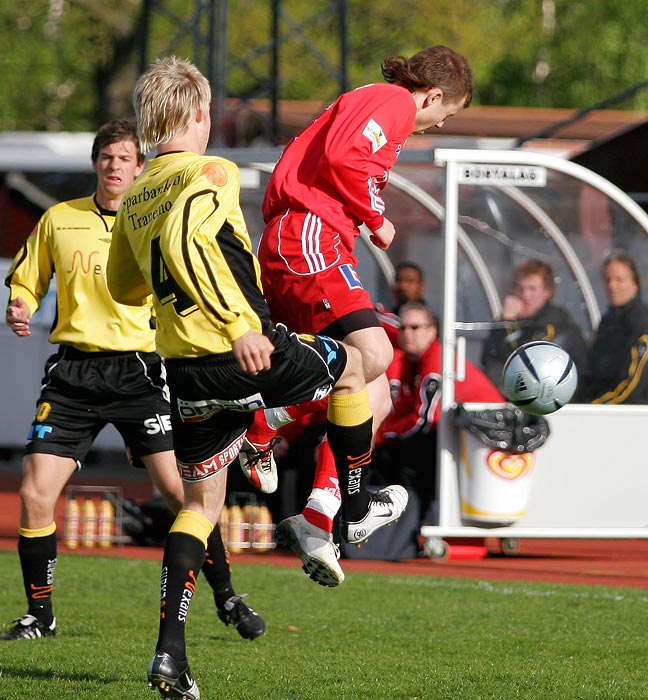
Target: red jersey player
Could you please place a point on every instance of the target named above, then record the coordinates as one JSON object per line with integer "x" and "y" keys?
{"x": 327, "y": 183}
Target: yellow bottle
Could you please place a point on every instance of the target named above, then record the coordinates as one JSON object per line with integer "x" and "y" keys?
{"x": 89, "y": 523}
{"x": 263, "y": 529}
{"x": 106, "y": 523}
{"x": 71, "y": 535}
{"x": 235, "y": 534}
{"x": 249, "y": 527}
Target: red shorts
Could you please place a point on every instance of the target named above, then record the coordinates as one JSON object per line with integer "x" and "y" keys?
{"x": 309, "y": 276}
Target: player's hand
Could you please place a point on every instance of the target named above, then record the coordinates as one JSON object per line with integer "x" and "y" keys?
{"x": 18, "y": 315}
{"x": 512, "y": 308}
{"x": 383, "y": 237}
{"x": 252, "y": 351}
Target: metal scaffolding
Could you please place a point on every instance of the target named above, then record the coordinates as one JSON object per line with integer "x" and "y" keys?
{"x": 205, "y": 23}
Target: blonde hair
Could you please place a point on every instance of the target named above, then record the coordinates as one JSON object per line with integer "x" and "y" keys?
{"x": 170, "y": 92}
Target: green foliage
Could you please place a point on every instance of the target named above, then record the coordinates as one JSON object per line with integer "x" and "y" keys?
{"x": 380, "y": 637}
{"x": 67, "y": 64}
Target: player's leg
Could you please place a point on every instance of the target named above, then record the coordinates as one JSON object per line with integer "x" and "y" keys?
{"x": 184, "y": 553}
{"x": 305, "y": 362}
{"x": 230, "y": 607}
{"x": 204, "y": 448}
{"x": 324, "y": 500}
{"x": 59, "y": 438}
{"x": 44, "y": 477}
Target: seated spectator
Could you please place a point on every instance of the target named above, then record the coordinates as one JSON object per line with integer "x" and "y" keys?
{"x": 530, "y": 314}
{"x": 408, "y": 286}
{"x": 406, "y": 441}
{"x": 616, "y": 368}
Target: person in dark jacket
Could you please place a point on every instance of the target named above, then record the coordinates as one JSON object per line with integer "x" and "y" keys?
{"x": 616, "y": 368}
{"x": 530, "y": 314}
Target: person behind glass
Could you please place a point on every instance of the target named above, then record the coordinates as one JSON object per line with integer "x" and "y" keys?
{"x": 105, "y": 371}
{"x": 408, "y": 285}
{"x": 530, "y": 314}
{"x": 406, "y": 441}
{"x": 616, "y": 360}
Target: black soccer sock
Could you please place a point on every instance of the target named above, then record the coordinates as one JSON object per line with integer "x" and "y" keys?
{"x": 184, "y": 554}
{"x": 216, "y": 568}
{"x": 37, "y": 552}
{"x": 349, "y": 435}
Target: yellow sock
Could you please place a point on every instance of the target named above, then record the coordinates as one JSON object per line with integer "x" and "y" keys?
{"x": 193, "y": 523}
{"x": 39, "y": 532}
{"x": 349, "y": 409}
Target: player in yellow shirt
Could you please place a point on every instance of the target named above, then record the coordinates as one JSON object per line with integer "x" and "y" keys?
{"x": 104, "y": 371}
{"x": 180, "y": 234}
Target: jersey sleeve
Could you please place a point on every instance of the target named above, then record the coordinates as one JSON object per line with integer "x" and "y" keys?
{"x": 635, "y": 379}
{"x": 359, "y": 152}
{"x": 31, "y": 272}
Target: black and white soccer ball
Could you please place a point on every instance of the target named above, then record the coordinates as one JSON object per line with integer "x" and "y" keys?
{"x": 539, "y": 377}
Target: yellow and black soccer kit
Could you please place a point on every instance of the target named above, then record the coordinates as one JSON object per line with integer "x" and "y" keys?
{"x": 180, "y": 233}
{"x": 106, "y": 369}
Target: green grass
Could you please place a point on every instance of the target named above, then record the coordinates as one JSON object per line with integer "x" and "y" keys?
{"x": 375, "y": 638}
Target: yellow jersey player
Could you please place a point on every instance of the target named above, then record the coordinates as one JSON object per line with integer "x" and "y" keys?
{"x": 105, "y": 371}
{"x": 181, "y": 235}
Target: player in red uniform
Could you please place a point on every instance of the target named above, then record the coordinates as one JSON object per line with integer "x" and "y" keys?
{"x": 327, "y": 183}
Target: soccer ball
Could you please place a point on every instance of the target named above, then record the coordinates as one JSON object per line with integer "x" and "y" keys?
{"x": 539, "y": 377}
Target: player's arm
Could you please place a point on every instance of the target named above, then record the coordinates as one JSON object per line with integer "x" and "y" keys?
{"x": 31, "y": 272}
{"x": 635, "y": 379}
{"x": 124, "y": 278}
{"x": 18, "y": 316}
{"x": 418, "y": 413}
{"x": 349, "y": 148}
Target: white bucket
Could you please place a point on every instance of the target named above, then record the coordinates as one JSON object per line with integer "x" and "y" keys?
{"x": 494, "y": 485}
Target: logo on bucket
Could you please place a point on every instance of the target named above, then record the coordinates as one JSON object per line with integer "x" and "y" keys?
{"x": 510, "y": 466}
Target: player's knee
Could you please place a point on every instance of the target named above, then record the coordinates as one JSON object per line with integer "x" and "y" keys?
{"x": 376, "y": 360}
{"x": 35, "y": 504}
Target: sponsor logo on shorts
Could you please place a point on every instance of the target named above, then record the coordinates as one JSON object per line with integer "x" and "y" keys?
{"x": 39, "y": 432}
{"x": 158, "y": 424}
{"x": 331, "y": 347}
{"x": 374, "y": 132}
{"x": 196, "y": 411}
{"x": 322, "y": 392}
{"x": 43, "y": 411}
{"x": 351, "y": 276}
{"x": 213, "y": 465}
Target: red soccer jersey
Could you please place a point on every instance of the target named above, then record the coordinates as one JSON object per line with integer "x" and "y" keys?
{"x": 416, "y": 393}
{"x": 337, "y": 165}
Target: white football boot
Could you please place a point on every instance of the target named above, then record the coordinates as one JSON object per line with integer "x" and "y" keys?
{"x": 315, "y": 547}
{"x": 385, "y": 506}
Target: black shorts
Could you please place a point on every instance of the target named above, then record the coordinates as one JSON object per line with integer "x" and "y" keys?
{"x": 213, "y": 399}
{"x": 84, "y": 391}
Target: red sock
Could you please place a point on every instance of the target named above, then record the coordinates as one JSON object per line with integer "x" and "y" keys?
{"x": 324, "y": 501}
{"x": 260, "y": 433}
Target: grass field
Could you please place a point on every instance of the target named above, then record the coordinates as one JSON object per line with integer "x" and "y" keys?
{"x": 375, "y": 638}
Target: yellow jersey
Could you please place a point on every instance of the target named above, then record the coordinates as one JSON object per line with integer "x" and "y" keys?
{"x": 71, "y": 241}
{"x": 180, "y": 234}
